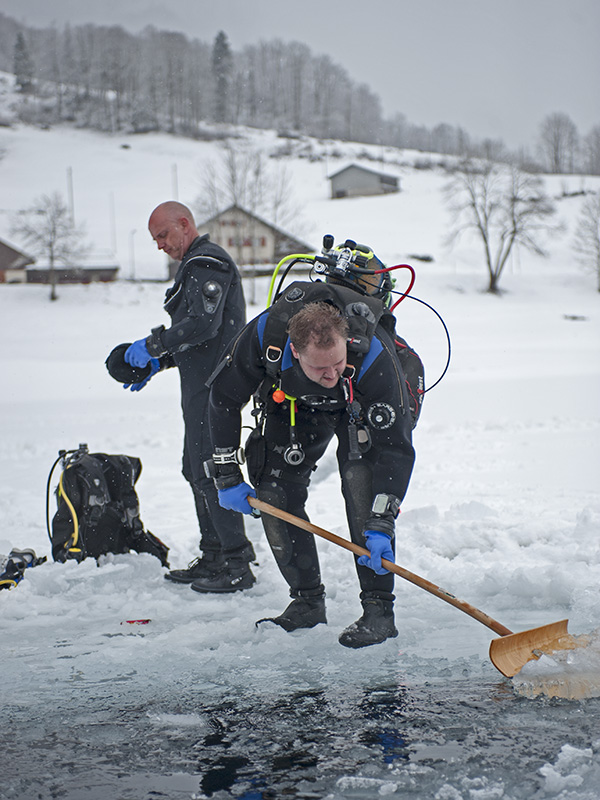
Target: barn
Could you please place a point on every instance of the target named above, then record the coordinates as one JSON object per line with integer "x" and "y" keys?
{"x": 358, "y": 181}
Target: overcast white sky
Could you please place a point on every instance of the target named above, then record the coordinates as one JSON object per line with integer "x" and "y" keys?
{"x": 494, "y": 68}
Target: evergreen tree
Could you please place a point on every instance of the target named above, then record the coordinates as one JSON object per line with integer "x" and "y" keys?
{"x": 222, "y": 65}
{"x": 23, "y": 65}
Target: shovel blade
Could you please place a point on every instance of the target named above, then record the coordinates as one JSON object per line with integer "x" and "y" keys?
{"x": 509, "y": 653}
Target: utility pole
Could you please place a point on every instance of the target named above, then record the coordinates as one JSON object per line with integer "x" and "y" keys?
{"x": 132, "y": 254}
{"x": 70, "y": 194}
{"x": 113, "y": 222}
{"x": 175, "y": 182}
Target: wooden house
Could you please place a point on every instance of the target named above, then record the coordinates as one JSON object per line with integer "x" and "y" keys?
{"x": 12, "y": 263}
{"x": 63, "y": 274}
{"x": 16, "y": 267}
{"x": 358, "y": 181}
{"x": 250, "y": 239}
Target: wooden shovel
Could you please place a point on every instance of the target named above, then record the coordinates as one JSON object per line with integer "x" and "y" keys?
{"x": 508, "y": 654}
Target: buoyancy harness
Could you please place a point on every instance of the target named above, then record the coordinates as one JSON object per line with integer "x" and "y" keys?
{"x": 362, "y": 313}
{"x": 357, "y": 267}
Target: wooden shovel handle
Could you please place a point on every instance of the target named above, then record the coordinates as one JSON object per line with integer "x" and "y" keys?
{"x": 389, "y": 565}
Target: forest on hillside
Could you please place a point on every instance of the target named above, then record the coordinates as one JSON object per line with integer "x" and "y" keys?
{"x": 105, "y": 78}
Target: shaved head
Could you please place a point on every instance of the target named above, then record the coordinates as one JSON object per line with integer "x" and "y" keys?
{"x": 173, "y": 228}
{"x": 173, "y": 210}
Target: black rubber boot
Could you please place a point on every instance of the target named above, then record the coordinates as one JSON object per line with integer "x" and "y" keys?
{"x": 375, "y": 626}
{"x": 233, "y": 576}
{"x": 204, "y": 567}
{"x": 306, "y": 610}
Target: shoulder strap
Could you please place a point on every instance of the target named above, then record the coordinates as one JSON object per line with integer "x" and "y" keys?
{"x": 89, "y": 471}
{"x": 121, "y": 474}
{"x": 362, "y": 313}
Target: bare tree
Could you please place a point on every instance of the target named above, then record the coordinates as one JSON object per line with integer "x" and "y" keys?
{"x": 282, "y": 207}
{"x": 245, "y": 178}
{"x": 591, "y": 151}
{"x": 559, "y": 142}
{"x": 235, "y": 180}
{"x": 49, "y": 230}
{"x": 505, "y": 207}
{"x": 586, "y": 241}
{"x": 238, "y": 180}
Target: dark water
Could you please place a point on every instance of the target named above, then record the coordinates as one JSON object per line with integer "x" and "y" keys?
{"x": 445, "y": 739}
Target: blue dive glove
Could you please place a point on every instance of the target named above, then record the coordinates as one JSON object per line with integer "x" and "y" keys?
{"x": 235, "y": 498}
{"x": 154, "y": 368}
{"x": 379, "y": 546}
{"x": 137, "y": 354}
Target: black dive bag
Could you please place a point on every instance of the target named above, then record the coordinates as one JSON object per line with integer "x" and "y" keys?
{"x": 98, "y": 508}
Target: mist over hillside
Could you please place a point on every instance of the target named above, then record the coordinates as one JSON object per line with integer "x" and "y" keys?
{"x": 107, "y": 78}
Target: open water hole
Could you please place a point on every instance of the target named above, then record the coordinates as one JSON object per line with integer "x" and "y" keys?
{"x": 446, "y": 738}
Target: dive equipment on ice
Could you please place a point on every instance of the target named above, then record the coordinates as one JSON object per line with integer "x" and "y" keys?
{"x": 98, "y": 508}
{"x": 13, "y": 566}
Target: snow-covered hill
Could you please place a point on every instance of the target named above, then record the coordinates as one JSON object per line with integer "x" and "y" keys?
{"x": 116, "y": 180}
{"x": 503, "y": 511}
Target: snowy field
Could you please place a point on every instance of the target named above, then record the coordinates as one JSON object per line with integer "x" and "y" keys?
{"x": 503, "y": 511}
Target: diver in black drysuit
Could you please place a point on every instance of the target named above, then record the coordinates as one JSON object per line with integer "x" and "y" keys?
{"x": 384, "y": 468}
{"x": 207, "y": 309}
{"x": 201, "y": 327}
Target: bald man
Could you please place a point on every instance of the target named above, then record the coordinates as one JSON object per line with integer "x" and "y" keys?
{"x": 207, "y": 309}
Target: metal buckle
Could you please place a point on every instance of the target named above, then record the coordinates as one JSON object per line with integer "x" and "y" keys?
{"x": 273, "y": 359}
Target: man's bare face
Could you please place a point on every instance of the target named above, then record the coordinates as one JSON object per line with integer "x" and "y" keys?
{"x": 171, "y": 234}
{"x": 324, "y": 366}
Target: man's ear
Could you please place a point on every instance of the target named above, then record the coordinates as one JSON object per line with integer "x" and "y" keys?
{"x": 294, "y": 351}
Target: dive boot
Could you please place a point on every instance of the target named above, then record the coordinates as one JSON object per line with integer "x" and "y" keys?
{"x": 375, "y": 626}
{"x": 203, "y": 567}
{"x": 306, "y": 610}
{"x": 234, "y": 574}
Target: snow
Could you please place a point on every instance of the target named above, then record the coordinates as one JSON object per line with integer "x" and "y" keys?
{"x": 503, "y": 511}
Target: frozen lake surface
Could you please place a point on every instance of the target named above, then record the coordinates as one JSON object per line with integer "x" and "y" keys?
{"x": 120, "y": 713}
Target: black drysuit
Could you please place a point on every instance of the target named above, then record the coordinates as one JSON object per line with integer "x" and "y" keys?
{"x": 385, "y": 467}
{"x": 207, "y": 309}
